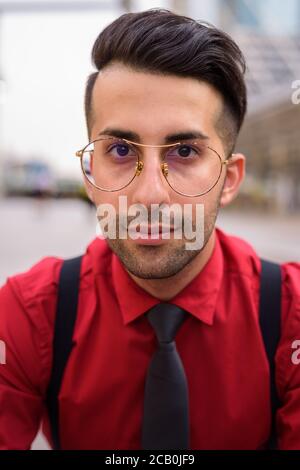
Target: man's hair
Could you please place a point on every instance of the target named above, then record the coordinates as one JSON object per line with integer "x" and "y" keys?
{"x": 162, "y": 42}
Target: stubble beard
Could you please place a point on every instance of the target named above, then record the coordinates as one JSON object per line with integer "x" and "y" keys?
{"x": 160, "y": 261}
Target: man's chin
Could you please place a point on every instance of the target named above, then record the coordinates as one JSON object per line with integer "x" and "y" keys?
{"x": 147, "y": 261}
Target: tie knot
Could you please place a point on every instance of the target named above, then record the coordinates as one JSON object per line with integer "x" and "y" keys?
{"x": 166, "y": 319}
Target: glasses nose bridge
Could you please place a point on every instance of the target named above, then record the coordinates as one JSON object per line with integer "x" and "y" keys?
{"x": 159, "y": 150}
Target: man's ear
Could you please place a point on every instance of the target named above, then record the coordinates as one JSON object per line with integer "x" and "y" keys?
{"x": 235, "y": 173}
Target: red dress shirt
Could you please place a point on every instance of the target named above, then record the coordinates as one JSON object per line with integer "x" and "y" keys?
{"x": 101, "y": 398}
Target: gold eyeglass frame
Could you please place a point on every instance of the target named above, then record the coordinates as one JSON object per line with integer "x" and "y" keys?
{"x": 140, "y": 164}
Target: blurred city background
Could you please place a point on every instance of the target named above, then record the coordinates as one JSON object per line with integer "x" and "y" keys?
{"x": 45, "y": 49}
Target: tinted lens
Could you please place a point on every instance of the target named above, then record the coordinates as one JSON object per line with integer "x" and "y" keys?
{"x": 193, "y": 169}
{"x": 109, "y": 163}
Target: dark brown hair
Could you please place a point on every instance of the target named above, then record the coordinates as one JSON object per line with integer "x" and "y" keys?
{"x": 162, "y": 42}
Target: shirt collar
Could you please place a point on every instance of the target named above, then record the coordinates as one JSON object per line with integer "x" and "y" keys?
{"x": 198, "y": 297}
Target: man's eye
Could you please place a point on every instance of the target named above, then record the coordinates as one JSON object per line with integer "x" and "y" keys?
{"x": 121, "y": 150}
{"x": 183, "y": 151}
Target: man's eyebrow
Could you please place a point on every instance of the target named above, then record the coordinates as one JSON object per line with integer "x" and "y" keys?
{"x": 169, "y": 139}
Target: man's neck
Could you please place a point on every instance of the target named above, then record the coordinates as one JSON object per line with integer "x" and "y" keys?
{"x": 166, "y": 289}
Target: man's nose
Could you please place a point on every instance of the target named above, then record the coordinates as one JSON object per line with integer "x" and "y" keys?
{"x": 151, "y": 187}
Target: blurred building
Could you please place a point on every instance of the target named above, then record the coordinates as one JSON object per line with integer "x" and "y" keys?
{"x": 268, "y": 16}
{"x": 268, "y": 32}
{"x": 30, "y": 178}
{"x": 270, "y": 136}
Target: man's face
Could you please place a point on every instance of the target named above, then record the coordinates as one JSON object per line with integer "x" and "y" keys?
{"x": 154, "y": 106}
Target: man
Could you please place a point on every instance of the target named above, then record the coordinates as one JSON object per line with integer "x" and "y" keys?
{"x": 163, "y": 113}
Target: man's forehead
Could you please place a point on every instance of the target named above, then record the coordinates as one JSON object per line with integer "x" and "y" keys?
{"x": 142, "y": 88}
{"x": 153, "y": 105}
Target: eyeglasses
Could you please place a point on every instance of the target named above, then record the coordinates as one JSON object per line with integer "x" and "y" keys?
{"x": 191, "y": 168}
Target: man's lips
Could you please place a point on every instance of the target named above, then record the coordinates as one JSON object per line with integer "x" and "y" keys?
{"x": 155, "y": 229}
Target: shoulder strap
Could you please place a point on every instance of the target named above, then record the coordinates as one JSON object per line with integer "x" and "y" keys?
{"x": 270, "y": 319}
{"x": 66, "y": 311}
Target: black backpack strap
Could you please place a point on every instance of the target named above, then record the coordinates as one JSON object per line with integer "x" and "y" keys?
{"x": 270, "y": 324}
{"x": 66, "y": 311}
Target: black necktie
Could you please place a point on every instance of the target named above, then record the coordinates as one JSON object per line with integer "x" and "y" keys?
{"x": 166, "y": 410}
